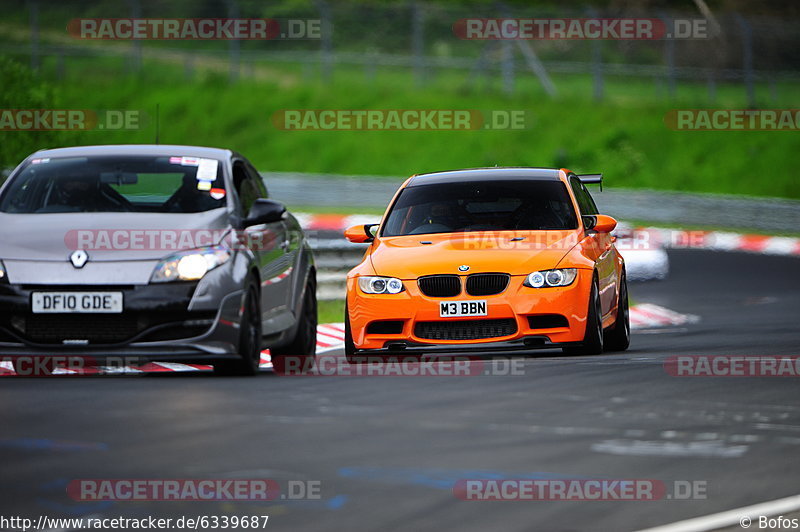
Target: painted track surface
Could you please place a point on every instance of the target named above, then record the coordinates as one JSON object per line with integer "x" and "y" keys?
{"x": 388, "y": 450}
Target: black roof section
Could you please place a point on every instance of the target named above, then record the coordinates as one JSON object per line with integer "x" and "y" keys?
{"x": 483, "y": 174}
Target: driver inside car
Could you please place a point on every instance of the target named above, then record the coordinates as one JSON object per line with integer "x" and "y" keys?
{"x": 81, "y": 193}
{"x": 442, "y": 216}
{"x": 189, "y": 199}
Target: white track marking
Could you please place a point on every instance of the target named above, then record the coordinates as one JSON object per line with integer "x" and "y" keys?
{"x": 709, "y": 449}
{"x": 732, "y": 517}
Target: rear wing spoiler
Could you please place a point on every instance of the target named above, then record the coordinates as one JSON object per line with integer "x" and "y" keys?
{"x": 591, "y": 179}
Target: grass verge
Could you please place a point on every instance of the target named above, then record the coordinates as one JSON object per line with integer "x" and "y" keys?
{"x": 623, "y": 136}
{"x": 331, "y": 311}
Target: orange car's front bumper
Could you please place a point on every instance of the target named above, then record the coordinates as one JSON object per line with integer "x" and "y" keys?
{"x": 517, "y": 302}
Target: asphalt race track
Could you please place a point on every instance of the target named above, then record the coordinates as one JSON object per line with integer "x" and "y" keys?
{"x": 387, "y": 451}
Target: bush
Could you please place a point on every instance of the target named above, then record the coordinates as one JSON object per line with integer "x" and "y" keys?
{"x": 23, "y": 90}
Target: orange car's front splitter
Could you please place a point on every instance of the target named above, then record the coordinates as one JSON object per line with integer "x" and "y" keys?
{"x": 517, "y": 303}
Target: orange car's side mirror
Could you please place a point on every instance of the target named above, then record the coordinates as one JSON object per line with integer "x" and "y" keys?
{"x": 360, "y": 234}
{"x": 600, "y": 223}
{"x": 604, "y": 224}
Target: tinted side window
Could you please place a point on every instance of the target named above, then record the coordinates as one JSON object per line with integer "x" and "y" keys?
{"x": 585, "y": 201}
{"x": 245, "y": 187}
{"x": 258, "y": 181}
{"x": 589, "y": 200}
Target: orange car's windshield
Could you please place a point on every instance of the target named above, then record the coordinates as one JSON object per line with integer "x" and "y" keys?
{"x": 491, "y": 205}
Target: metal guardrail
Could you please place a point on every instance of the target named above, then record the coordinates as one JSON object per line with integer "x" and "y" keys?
{"x": 688, "y": 209}
{"x": 334, "y": 258}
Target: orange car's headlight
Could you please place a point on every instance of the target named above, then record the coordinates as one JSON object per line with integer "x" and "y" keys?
{"x": 548, "y": 278}
{"x": 380, "y": 285}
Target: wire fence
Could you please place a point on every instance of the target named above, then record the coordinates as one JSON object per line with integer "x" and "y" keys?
{"x": 421, "y": 39}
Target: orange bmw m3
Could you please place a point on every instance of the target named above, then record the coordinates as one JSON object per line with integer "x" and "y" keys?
{"x": 488, "y": 260}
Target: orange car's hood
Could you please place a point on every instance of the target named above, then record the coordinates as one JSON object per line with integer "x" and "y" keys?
{"x": 406, "y": 257}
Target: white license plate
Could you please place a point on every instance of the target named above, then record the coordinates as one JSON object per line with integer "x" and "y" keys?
{"x": 458, "y": 309}
{"x": 76, "y": 302}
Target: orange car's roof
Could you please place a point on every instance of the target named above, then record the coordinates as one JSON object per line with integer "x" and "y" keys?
{"x": 482, "y": 174}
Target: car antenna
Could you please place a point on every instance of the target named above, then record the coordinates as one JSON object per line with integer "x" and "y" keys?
{"x": 157, "y": 123}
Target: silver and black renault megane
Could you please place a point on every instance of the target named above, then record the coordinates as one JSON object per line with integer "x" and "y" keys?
{"x": 156, "y": 253}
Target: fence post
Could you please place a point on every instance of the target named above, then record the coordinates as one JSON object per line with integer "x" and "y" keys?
{"x": 418, "y": 42}
{"x": 136, "y": 45}
{"x": 508, "y": 67}
{"x": 773, "y": 89}
{"x": 370, "y": 60}
{"x": 33, "y": 15}
{"x": 669, "y": 55}
{"x": 478, "y": 69}
{"x": 597, "y": 69}
{"x": 60, "y": 64}
{"x": 747, "y": 59}
{"x": 712, "y": 87}
{"x": 597, "y": 63}
{"x": 507, "y": 54}
{"x": 326, "y": 49}
{"x": 188, "y": 66}
{"x": 234, "y": 46}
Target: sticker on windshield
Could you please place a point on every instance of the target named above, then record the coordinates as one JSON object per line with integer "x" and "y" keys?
{"x": 185, "y": 161}
{"x": 204, "y": 185}
{"x": 207, "y": 170}
{"x": 217, "y": 193}
{"x": 42, "y": 161}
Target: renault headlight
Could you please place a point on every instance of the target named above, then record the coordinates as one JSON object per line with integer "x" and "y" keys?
{"x": 3, "y": 274}
{"x": 547, "y": 278}
{"x": 380, "y": 285}
{"x": 190, "y": 265}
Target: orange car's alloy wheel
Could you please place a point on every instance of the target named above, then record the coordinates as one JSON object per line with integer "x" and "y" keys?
{"x": 618, "y": 337}
{"x": 593, "y": 337}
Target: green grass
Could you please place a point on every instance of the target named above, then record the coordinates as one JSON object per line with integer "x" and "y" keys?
{"x": 331, "y": 311}
{"x": 624, "y": 136}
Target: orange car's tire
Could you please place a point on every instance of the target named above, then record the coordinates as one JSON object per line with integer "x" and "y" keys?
{"x": 592, "y": 343}
{"x": 363, "y": 357}
{"x": 618, "y": 337}
{"x": 349, "y": 346}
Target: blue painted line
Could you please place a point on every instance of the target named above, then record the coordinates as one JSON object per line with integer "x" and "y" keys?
{"x": 336, "y": 502}
{"x": 43, "y": 444}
